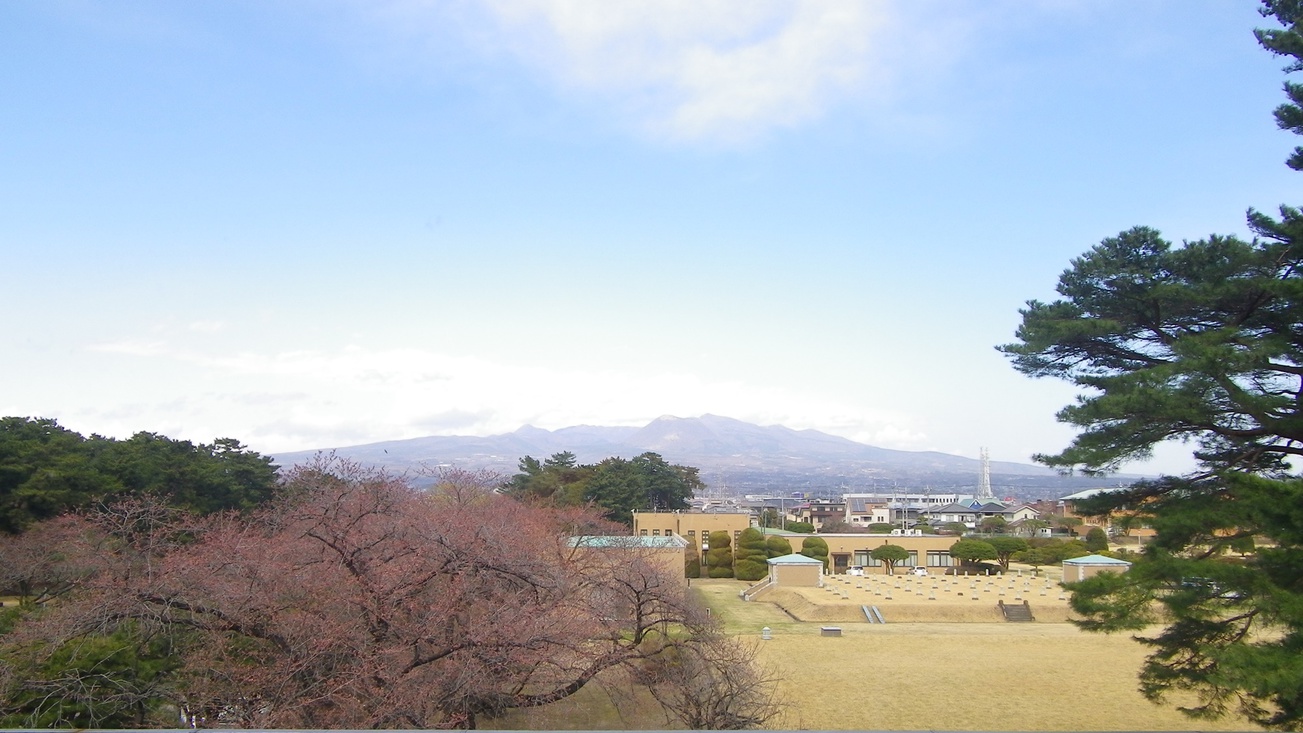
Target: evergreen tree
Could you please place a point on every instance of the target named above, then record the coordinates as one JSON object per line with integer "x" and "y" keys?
{"x": 1096, "y": 540}
{"x": 1201, "y": 343}
{"x": 889, "y": 555}
{"x": 1005, "y": 547}
{"x": 972, "y": 551}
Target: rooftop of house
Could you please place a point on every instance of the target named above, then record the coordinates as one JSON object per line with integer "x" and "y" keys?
{"x": 628, "y": 541}
{"x": 794, "y": 559}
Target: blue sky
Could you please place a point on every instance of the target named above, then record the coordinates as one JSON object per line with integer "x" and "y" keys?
{"x": 307, "y": 225}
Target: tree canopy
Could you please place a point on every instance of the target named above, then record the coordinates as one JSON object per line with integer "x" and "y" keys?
{"x": 1005, "y": 547}
{"x": 972, "y": 551}
{"x": 620, "y": 486}
{"x": 1203, "y": 343}
{"x": 889, "y": 555}
{"x": 46, "y": 469}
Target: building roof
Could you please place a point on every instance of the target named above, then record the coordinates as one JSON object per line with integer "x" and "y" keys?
{"x": 628, "y": 541}
{"x": 1089, "y": 493}
{"x": 1095, "y": 560}
{"x": 861, "y": 505}
{"x": 794, "y": 559}
{"x": 955, "y": 508}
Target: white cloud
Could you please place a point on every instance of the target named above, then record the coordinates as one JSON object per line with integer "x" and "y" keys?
{"x": 723, "y": 70}
{"x": 294, "y": 400}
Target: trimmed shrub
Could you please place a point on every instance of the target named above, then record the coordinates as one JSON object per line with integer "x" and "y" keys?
{"x": 719, "y": 558}
{"x": 750, "y": 555}
{"x": 816, "y": 548}
{"x": 691, "y": 563}
{"x": 777, "y": 546}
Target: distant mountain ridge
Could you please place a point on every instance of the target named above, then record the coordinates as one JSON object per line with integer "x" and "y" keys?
{"x": 729, "y": 453}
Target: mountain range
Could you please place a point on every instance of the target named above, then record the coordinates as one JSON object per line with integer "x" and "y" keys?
{"x": 733, "y": 457}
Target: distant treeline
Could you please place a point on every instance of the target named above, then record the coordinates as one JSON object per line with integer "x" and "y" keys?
{"x": 47, "y": 470}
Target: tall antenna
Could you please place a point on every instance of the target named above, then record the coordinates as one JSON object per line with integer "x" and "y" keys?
{"x": 984, "y": 486}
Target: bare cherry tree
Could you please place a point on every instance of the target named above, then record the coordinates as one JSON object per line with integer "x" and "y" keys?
{"x": 357, "y": 601}
{"x": 713, "y": 682}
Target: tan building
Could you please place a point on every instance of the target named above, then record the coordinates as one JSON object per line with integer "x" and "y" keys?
{"x": 667, "y": 552}
{"x": 695, "y": 527}
{"x": 1121, "y": 526}
{"x": 795, "y": 570}
{"x": 818, "y": 512}
{"x": 845, "y": 550}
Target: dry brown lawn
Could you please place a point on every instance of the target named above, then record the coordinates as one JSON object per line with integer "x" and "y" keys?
{"x": 971, "y": 672}
{"x": 975, "y": 672}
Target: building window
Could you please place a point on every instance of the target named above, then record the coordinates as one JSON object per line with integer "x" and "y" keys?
{"x": 939, "y": 559}
{"x": 668, "y": 532}
{"x": 642, "y": 532}
{"x": 912, "y": 560}
{"x": 656, "y": 533}
{"x": 862, "y": 557}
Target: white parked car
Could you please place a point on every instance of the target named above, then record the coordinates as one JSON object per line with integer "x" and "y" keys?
{"x": 919, "y": 571}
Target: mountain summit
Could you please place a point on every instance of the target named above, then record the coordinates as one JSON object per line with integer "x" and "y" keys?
{"x": 742, "y": 456}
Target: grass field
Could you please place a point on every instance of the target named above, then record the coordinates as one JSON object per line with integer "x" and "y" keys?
{"x": 969, "y": 675}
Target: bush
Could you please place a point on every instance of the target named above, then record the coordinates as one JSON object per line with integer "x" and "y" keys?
{"x": 1060, "y": 550}
{"x": 1096, "y": 540}
{"x": 800, "y": 527}
{"x": 881, "y": 528}
{"x": 719, "y": 558}
{"x": 749, "y": 558}
{"x": 691, "y": 563}
{"x": 776, "y": 546}
{"x": 816, "y": 548}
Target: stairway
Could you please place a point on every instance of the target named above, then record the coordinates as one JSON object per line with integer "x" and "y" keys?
{"x": 1016, "y": 613}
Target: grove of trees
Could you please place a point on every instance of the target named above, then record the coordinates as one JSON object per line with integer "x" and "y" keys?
{"x": 1202, "y": 343}
{"x": 46, "y": 470}
{"x": 617, "y": 485}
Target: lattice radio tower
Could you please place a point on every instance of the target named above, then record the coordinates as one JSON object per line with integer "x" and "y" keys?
{"x": 984, "y": 485}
